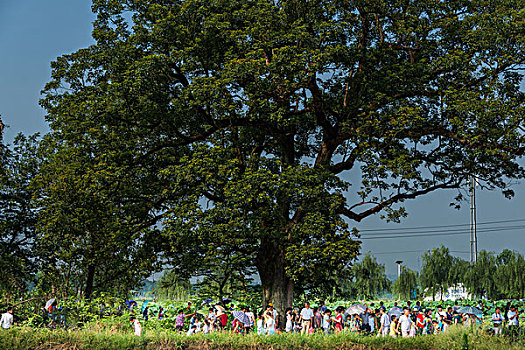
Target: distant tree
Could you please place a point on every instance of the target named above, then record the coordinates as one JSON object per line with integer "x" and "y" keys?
{"x": 481, "y": 277}
{"x": 510, "y": 275}
{"x": 19, "y": 164}
{"x": 458, "y": 272}
{"x": 435, "y": 272}
{"x": 369, "y": 278}
{"x": 173, "y": 286}
{"x": 406, "y": 283}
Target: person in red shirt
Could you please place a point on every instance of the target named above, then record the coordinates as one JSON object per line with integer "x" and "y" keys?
{"x": 338, "y": 321}
{"x": 420, "y": 324}
{"x": 223, "y": 319}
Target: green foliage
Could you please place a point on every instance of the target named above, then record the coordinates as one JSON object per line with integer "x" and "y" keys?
{"x": 369, "y": 278}
{"x": 436, "y": 271}
{"x": 172, "y": 286}
{"x": 510, "y": 275}
{"x": 220, "y": 132}
{"x": 481, "y": 277}
{"x": 86, "y": 239}
{"x": 18, "y": 249}
{"x": 406, "y": 284}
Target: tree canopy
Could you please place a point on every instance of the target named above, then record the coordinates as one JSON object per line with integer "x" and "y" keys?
{"x": 238, "y": 124}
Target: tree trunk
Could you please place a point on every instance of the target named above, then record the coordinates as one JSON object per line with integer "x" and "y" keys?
{"x": 89, "y": 281}
{"x": 277, "y": 288}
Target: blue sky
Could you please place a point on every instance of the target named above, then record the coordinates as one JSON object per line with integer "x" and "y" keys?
{"x": 35, "y": 32}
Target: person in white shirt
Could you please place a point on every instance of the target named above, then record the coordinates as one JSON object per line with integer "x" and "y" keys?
{"x": 514, "y": 321}
{"x": 385, "y": 323}
{"x": 327, "y": 320}
{"x": 307, "y": 314}
{"x": 405, "y": 322}
{"x": 497, "y": 320}
{"x": 440, "y": 312}
{"x": 7, "y": 318}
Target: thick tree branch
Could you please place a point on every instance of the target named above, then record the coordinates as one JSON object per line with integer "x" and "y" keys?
{"x": 394, "y": 199}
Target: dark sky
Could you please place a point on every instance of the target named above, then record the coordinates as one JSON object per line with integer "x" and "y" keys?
{"x": 35, "y": 32}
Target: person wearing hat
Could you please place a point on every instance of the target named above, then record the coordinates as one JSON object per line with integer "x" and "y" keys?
{"x": 275, "y": 314}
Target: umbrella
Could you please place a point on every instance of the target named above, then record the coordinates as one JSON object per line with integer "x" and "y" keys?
{"x": 470, "y": 310}
{"x": 241, "y": 317}
{"x": 220, "y": 308}
{"x": 356, "y": 309}
{"x": 49, "y": 302}
{"x": 226, "y": 300}
{"x": 144, "y": 305}
{"x": 395, "y": 311}
{"x": 206, "y": 302}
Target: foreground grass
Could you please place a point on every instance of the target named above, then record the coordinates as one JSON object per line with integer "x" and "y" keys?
{"x": 99, "y": 339}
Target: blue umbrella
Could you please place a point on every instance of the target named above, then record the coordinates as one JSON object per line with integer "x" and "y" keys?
{"x": 395, "y": 311}
{"x": 241, "y": 317}
{"x": 471, "y": 310}
{"x": 356, "y": 309}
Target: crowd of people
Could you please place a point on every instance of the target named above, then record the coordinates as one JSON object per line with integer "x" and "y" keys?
{"x": 406, "y": 321}
{"x": 398, "y": 321}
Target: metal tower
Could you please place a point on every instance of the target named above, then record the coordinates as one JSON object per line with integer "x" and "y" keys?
{"x": 473, "y": 233}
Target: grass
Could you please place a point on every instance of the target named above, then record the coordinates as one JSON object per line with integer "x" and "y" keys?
{"x": 95, "y": 339}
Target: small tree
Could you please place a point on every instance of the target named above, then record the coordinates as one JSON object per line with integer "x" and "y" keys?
{"x": 406, "y": 283}
{"x": 480, "y": 279}
{"x": 510, "y": 275}
{"x": 369, "y": 278}
{"x": 435, "y": 273}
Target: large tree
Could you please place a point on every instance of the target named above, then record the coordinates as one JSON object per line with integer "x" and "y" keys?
{"x": 253, "y": 115}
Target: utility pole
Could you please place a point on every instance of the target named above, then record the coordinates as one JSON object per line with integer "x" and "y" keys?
{"x": 473, "y": 233}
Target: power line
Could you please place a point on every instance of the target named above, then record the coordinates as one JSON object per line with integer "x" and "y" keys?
{"x": 430, "y": 232}
{"x": 439, "y": 226}
{"x": 416, "y": 251}
{"x": 441, "y": 234}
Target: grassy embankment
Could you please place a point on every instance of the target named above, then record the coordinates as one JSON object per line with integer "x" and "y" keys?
{"x": 104, "y": 339}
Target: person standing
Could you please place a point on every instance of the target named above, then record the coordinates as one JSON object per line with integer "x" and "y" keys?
{"x": 7, "y": 318}
{"x": 327, "y": 320}
{"x": 338, "y": 321}
{"x": 384, "y": 322}
{"x": 179, "y": 320}
{"x": 275, "y": 315}
{"x": 497, "y": 320}
{"x": 307, "y": 315}
{"x": 365, "y": 321}
{"x": 405, "y": 322}
{"x": 289, "y": 320}
{"x": 136, "y": 325}
{"x": 322, "y": 307}
{"x": 513, "y": 316}
{"x": 251, "y": 317}
{"x": 318, "y": 319}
